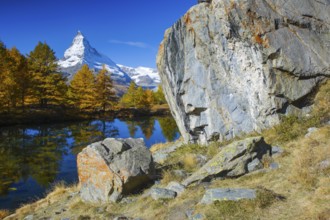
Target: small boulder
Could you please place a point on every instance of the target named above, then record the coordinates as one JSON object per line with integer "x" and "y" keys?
{"x": 276, "y": 151}
{"x": 160, "y": 193}
{"x": 325, "y": 164}
{"x": 255, "y": 165}
{"x": 29, "y": 217}
{"x": 212, "y": 195}
{"x": 232, "y": 160}
{"x": 176, "y": 187}
{"x": 180, "y": 173}
{"x": 161, "y": 155}
{"x": 274, "y": 166}
{"x": 112, "y": 168}
{"x": 197, "y": 216}
{"x": 310, "y": 131}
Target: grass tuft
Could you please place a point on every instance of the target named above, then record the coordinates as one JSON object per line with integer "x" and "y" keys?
{"x": 242, "y": 209}
{"x": 4, "y": 213}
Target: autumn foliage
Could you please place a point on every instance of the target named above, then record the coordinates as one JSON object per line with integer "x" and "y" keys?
{"x": 33, "y": 81}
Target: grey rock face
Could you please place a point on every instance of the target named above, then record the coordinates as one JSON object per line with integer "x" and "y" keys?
{"x": 176, "y": 187}
{"x": 160, "y": 193}
{"x": 255, "y": 165}
{"x": 232, "y": 160}
{"x": 112, "y": 168}
{"x": 213, "y": 195}
{"x": 276, "y": 151}
{"x": 232, "y": 67}
{"x": 161, "y": 155}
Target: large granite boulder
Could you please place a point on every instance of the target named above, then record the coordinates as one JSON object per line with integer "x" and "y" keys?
{"x": 232, "y": 161}
{"x": 112, "y": 168}
{"x": 231, "y": 67}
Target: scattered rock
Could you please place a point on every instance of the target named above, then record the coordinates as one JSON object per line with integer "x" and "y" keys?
{"x": 220, "y": 194}
{"x": 122, "y": 218}
{"x": 201, "y": 160}
{"x": 189, "y": 213}
{"x": 29, "y": 217}
{"x": 160, "y": 193}
{"x": 127, "y": 200}
{"x": 176, "y": 187}
{"x": 180, "y": 173}
{"x": 310, "y": 131}
{"x": 197, "y": 216}
{"x": 161, "y": 155}
{"x": 255, "y": 165}
{"x": 276, "y": 151}
{"x": 232, "y": 160}
{"x": 122, "y": 165}
{"x": 274, "y": 166}
{"x": 325, "y": 164}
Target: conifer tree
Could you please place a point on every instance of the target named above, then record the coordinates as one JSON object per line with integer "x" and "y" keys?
{"x": 20, "y": 77}
{"x": 105, "y": 95}
{"x": 129, "y": 99}
{"x": 159, "y": 96}
{"x": 42, "y": 64}
{"x": 142, "y": 99}
{"x": 3, "y": 74}
{"x": 82, "y": 91}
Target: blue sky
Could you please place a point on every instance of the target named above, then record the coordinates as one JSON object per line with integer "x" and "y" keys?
{"x": 128, "y": 31}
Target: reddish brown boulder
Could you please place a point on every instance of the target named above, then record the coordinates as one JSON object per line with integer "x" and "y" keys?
{"x": 112, "y": 168}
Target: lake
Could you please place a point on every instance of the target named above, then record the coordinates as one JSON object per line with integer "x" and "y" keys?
{"x": 34, "y": 158}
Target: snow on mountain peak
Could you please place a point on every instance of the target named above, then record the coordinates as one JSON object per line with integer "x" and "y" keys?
{"x": 81, "y": 52}
{"x": 143, "y": 76}
{"x": 80, "y": 48}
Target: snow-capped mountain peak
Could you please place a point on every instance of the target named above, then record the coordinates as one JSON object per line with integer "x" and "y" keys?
{"x": 79, "y": 47}
{"x": 81, "y": 52}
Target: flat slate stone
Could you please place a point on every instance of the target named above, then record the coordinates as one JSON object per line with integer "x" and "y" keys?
{"x": 225, "y": 194}
{"x": 176, "y": 187}
{"x": 160, "y": 193}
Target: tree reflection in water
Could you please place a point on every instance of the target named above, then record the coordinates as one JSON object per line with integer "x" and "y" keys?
{"x": 37, "y": 153}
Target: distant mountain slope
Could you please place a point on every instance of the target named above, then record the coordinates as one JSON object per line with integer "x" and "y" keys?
{"x": 142, "y": 76}
{"x": 81, "y": 52}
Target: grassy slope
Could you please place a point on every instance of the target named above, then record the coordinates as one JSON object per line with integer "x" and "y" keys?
{"x": 299, "y": 189}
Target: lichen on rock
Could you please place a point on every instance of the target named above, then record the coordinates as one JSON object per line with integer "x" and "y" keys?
{"x": 111, "y": 168}
{"x": 232, "y": 67}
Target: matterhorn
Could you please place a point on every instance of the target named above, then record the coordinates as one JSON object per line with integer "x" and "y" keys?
{"x": 81, "y": 52}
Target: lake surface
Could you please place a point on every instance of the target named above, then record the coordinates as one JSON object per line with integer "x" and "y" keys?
{"x": 34, "y": 158}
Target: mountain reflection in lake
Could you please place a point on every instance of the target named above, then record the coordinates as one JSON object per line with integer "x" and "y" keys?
{"x": 32, "y": 158}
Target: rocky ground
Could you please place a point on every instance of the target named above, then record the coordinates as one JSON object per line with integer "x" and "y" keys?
{"x": 291, "y": 181}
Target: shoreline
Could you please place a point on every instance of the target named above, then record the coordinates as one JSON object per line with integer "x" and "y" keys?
{"x": 59, "y": 115}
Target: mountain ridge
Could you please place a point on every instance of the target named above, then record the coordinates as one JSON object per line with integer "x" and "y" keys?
{"x": 81, "y": 52}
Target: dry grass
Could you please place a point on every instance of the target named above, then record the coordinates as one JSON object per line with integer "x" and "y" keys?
{"x": 4, "y": 213}
{"x": 308, "y": 154}
{"x": 168, "y": 176}
{"x": 300, "y": 179}
{"x": 242, "y": 209}
{"x": 159, "y": 146}
{"x": 190, "y": 162}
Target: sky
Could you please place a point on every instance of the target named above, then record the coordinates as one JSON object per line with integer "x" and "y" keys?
{"x": 128, "y": 31}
